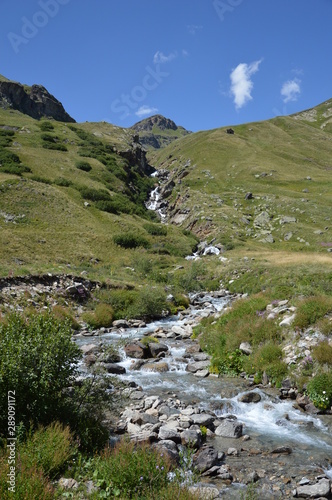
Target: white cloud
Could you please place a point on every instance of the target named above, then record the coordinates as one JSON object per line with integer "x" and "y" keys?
{"x": 291, "y": 90}
{"x": 145, "y": 110}
{"x": 161, "y": 58}
{"x": 185, "y": 53}
{"x": 241, "y": 83}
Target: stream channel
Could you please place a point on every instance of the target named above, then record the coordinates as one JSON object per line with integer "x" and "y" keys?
{"x": 271, "y": 423}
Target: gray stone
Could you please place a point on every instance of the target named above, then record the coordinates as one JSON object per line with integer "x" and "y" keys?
{"x": 136, "y": 350}
{"x": 202, "y": 419}
{"x": 68, "y": 483}
{"x": 199, "y": 365}
{"x": 156, "y": 367}
{"x": 250, "y": 397}
{"x": 89, "y": 348}
{"x": 320, "y": 489}
{"x": 120, "y": 323}
{"x": 191, "y": 437}
{"x": 114, "y": 368}
{"x": 262, "y": 220}
{"x": 204, "y": 492}
{"x": 202, "y": 373}
{"x": 166, "y": 432}
{"x": 205, "y": 458}
{"x": 287, "y": 220}
{"x": 246, "y": 348}
{"x": 157, "y": 348}
{"x": 229, "y": 428}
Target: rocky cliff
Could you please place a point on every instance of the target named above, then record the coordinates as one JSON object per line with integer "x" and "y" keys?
{"x": 34, "y": 101}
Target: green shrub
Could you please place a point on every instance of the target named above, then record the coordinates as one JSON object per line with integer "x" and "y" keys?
{"x": 148, "y": 340}
{"x": 14, "y": 169}
{"x": 311, "y": 310}
{"x": 131, "y": 240}
{"x": 155, "y": 229}
{"x": 150, "y": 302}
{"x": 49, "y": 448}
{"x": 30, "y": 483}
{"x": 38, "y": 362}
{"x": 49, "y": 138}
{"x": 116, "y": 205}
{"x": 61, "y": 181}
{"x": 63, "y": 314}
{"x": 46, "y": 126}
{"x": 38, "y": 178}
{"x": 131, "y": 471}
{"x": 319, "y": 390}
{"x": 55, "y": 146}
{"x": 323, "y": 353}
{"x": 94, "y": 194}
{"x": 268, "y": 358}
{"x": 101, "y": 317}
{"x": 83, "y": 165}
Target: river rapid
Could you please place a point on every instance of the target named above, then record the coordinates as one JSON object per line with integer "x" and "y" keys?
{"x": 303, "y": 441}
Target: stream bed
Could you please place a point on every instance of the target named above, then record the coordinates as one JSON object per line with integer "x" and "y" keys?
{"x": 282, "y": 445}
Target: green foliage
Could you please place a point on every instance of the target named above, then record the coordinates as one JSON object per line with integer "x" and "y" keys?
{"x": 148, "y": 340}
{"x": 49, "y": 138}
{"x": 131, "y": 240}
{"x": 130, "y": 471}
{"x": 46, "y": 126}
{"x": 83, "y": 165}
{"x": 55, "y": 146}
{"x": 312, "y": 309}
{"x": 38, "y": 362}
{"x": 116, "y": 205}
{"x": 319, "y": 390}
{"x": 14, "y": 169}
{"x": 102, "y": 316}
{"x": 64, "y": 314}
{"x": 49, "y": 448}
{"x": 268, "y": 358}
{"x": 323, "y": 353}
{"x": 61, "y": 181}
{"x": 228, "y": 363}
{"x": 30, "y": 483}
{"x": 155, "y": 229}
{"x": 94, "y": 194}
{"x": 38, "y": 178}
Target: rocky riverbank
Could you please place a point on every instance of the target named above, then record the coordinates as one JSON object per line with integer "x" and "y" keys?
{"x": 240, "y": 435}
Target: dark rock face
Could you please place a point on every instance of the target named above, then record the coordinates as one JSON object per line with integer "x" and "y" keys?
{"x": 34, "y": 101}
{"x": 155, "y": 121}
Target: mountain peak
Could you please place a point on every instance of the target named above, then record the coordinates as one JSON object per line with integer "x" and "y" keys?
{"x": 155, "y": 121}
{"x": 157, "y": 131}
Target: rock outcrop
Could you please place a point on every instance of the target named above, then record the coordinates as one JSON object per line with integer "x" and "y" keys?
{"x": 34, "y": 101}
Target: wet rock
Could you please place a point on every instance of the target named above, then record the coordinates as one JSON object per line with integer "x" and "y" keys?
{"x": 252, "y": 477}
{"x": 229, "y": 428}
{"x": 232, "y": 452}
{"x": 284, "y": 450}
{"x": 90, "y": 359}
{"x": 89, "y": 348}
{"x": 250, "y": 397}
{"x": 157, "y": 348}
{"x": 156, "y": 367}
{"x": 202, "y": 373}
{"x": 120, "y": 323}
{"x": 199, "y": 365}
{"x": 136, "y": 350}
{"x": 114, "y": 368}
{"x": 321, "y": 489}
{"x": 205, "y": 458}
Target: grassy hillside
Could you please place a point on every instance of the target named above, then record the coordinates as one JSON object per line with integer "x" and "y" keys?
{"x": 285, "y": 163}
{"x": 61, "y": 208}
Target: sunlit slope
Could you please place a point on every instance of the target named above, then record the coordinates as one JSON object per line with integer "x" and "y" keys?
{"x": 286, "y": 163}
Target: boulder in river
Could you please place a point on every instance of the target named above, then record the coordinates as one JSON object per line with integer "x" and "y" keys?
{"x": 136, "y": 350}
{"x": 322, "y": 489}
{"x": 229, "y": 428}
{"x": 250, "y": 397}
{"x": 157, "y": 348}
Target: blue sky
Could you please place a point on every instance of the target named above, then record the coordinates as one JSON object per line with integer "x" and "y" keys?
{"x": 202, "y": 63}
